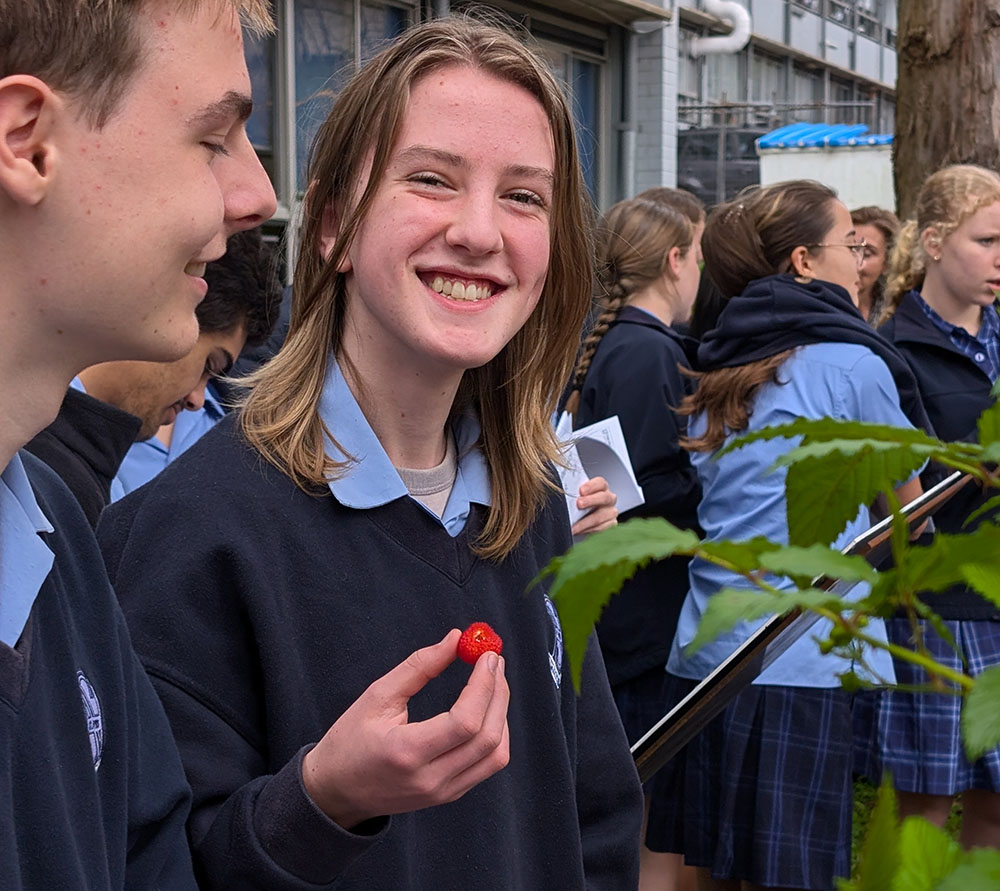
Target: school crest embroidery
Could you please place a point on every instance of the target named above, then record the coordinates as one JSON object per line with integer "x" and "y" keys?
{"x": 556, "y": 653}
{"x": 95, "y": 719}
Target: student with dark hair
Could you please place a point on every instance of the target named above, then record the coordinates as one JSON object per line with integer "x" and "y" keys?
{"x": 942, "y": 286}
{"x": 124, "y": 165}
{"x": 238, "y": 313}
{"x": 879, "y": 228}
{"x": 766, "y": 797}
{"x": 389, "y": 480}
{"x": 630, "y": 366}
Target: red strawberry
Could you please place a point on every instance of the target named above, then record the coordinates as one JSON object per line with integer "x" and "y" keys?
{"x": 477, "y": 639}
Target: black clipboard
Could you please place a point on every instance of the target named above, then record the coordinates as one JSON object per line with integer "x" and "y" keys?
{"x": 693, "y": 713}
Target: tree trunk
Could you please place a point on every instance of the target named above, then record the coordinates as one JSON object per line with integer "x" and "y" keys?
{"x": 947, "y": 96}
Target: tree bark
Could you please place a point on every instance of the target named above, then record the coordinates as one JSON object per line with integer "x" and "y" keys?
{"x": 947, "y": 96}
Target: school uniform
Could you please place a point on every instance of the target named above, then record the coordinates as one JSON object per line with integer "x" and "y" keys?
{"x": 635, "y": 374}
{"x": 92, "y": 793}
{"x": 917, "y": 736}
{"x": 767, "y": 791}
{"x": 286, "y": 606}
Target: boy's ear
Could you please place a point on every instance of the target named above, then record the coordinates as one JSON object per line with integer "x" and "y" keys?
{"x": 329, "y": 233}
{"x": 28, "y": 108}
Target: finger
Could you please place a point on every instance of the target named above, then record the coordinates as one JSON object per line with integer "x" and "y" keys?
{"x": 593, "y": 485}
{"x": 412, "y": 674}
{"x": 442, "y": 733}
{"x": 604, "y": 498}
{"x": 487, "y": 738}
{"x": 480, "y": 770}
{"x": 596, "y": 521}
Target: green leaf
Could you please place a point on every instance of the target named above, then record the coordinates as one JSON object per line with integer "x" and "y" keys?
{"x": 740, "y": 556}
{"x": 927, "y": 854}
{"x": 823, "y": 494}
{"x": 979, "y": 870}
{"x": 817, "y": 560}
{"x": 984, "y": 577}
{"x": 988, "y": 425}
{"x": 879, "y": 860}
{"x": 820, "y": 429}
{"x": 943, "y": 562}
{"x": 585, "y": 578}
{"x": 984, "y": 508}
{"x": 730, "y": 606}
{"x": 980, "y": 715}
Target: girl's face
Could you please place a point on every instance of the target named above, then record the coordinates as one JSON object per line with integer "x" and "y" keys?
{"x": 969, "y": 268}
{"x": 688, "y": 276}
{"x": 836, "y": 261}
{"x": 452, "y": 256}
{"x": 874, "y": 262}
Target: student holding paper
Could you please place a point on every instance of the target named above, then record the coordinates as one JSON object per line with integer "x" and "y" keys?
{"x": 630, "y": 366}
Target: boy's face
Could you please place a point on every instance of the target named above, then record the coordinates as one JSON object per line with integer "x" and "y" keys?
{"x": 138, "y": 207}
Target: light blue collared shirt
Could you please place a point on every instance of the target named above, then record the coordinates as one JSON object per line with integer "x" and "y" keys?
{"x": 372, "y": 480}
{"x": 743, "y": 497}
{"x": 146, "y": 459}
{"x": 25, "y": 560}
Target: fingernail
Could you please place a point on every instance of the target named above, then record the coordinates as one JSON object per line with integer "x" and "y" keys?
{"x": 492, "y": 660}
{"x": 502, "y": 664}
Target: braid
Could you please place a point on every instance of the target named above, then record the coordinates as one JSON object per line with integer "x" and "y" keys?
{"x": 906, "y": 268}
{"x": 615, "y": 299}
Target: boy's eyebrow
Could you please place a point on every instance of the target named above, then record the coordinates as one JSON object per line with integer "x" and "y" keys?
{"x": 233, "y": 106}
{"x": 421, "y": 152}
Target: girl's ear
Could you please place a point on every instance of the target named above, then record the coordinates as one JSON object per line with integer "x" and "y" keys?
{"x": 801, "y": 261}
{"x": 931, "y": 240}
{"x": 329, "y": 233}
{"x": 28, "y": 112}
{"x": 674, "y": 258}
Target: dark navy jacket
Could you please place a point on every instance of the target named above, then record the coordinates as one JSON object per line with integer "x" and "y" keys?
{"x": 92, "y": 793}
{"x": 955, "y": 391}
{"x": 634, "y": 374}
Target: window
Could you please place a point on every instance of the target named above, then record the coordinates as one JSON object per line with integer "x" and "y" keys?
{"x": 767, "y": 82}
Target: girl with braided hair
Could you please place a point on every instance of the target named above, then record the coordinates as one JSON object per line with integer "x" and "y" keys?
{"x": 630, "y": 366}
{"x": 765, "y": 797}
{"x": 944, "y": 275}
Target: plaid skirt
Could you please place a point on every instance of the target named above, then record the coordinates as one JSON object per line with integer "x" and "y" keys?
{"x": 917, "y": 736}
{"x": 764, "y": 792}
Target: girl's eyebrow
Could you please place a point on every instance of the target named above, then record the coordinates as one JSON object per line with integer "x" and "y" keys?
{"x": 418, "y": 153}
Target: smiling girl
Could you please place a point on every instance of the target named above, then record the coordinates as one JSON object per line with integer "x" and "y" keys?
{"x": 390, "y": 478}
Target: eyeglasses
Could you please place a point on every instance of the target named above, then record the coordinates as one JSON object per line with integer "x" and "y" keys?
{"x": 855, "y": 247}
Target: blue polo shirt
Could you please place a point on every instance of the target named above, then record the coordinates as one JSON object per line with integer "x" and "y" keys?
{"x": 144, "y": 460}
{"x": 25, "y": 560}
{"x": 372, "y": 480}
{"x": 743, "y": 496}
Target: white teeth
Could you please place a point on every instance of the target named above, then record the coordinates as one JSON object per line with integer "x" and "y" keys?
{"x": 196, "y": 269}
{"x": 460, "y": 290}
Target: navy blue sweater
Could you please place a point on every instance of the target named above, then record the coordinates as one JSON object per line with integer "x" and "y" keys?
{"x": 262, "y": 613}
{"x": 634, "y": 374}
{"x": 955, "y": 392}
{"x": 92, "y": 793}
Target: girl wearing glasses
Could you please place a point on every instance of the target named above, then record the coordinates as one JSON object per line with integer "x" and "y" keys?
{"x": 943, "y": 281}
{"x": 766, "y": 795}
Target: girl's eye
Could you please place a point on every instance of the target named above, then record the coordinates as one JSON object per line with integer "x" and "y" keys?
{"x": 987, "y": 241}
{"x": 525, "y": 196}
{"x": 427, "y": 179}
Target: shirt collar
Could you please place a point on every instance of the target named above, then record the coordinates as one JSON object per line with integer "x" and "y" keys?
{"x": 371, "y": 480}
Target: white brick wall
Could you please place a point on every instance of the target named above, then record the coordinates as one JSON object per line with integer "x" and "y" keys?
{"x": 656, "y": 112}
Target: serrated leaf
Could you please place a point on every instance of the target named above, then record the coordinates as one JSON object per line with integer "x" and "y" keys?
{"x": 926, "y": 855}
{"x": 978, "y": 870}
{"x": 984, "y": 508}
{"x": 983, "y": 577}
{"x": 586, "y": 577}
{"x": 826, "y": 448}
{"x": 988, "y": 425}
{"x": 939, "y": 565}
{"x": 879, "y": 860}
{"x": 980, "y": 715}
{"x": 730, "y": 606}
{"x": 817, "y": 560}
{"x": 823, "y": 494}
{"x": 820, "y": 429}
{"x": 741, "y": 556}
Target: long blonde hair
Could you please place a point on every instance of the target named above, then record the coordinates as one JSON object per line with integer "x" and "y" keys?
{"x": 515, "y": 393}
{"x": 947, "y": 198}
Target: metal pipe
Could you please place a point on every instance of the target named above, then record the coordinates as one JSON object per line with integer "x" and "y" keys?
{"x": 733, "y": 14}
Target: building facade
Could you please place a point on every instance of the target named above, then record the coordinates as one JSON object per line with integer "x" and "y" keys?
{"x": 627, "y": 67}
